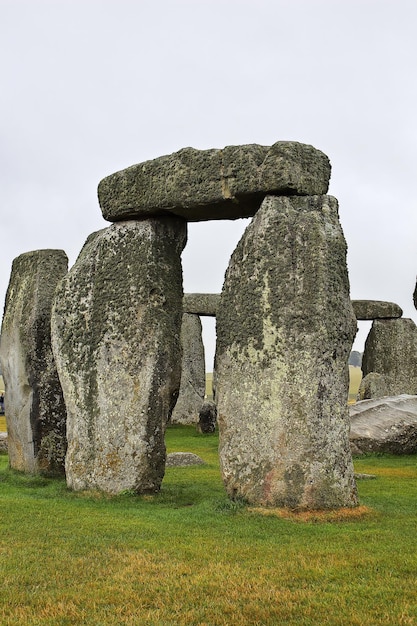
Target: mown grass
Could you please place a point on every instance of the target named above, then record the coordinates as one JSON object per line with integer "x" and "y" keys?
{"x": 189, "y": 556}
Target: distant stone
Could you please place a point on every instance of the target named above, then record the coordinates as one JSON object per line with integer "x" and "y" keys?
{"x": 207, "y": 418}
{"x": 385, "y": 425}
{"x": 36, "y": 415}
{"x": 355, "y": 358}
{"x": 201, "y": 303}
{"x": 193, "y": 372}
{"x": 373, "y": 385}
{"x": 376, "y": 309}
{"x": 3, "y": 443}
{"x": 183, "y": 459}
{"x": 359, "y": 476}
{"x": 415, "y": 296}
{"x": 116, "y": 337}
{"x": 391, "y": 350}
{"x": 214, "y": 184}
{"x": 285, "y": 328}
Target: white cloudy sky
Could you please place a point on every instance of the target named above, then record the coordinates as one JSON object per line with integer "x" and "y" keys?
{"x": 89, "y": 87}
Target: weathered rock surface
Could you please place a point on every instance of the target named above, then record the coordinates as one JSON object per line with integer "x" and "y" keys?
{"x": 207, "y": 418}
{"x": 373, "y": 385}
{"x": 376, "y": 309}
{"x": 116, "y": 337}
{"x": 36, "y": 415}
{"x": 183, "y": 459}
{"x": 214, "y": 184}
{"x": 385, "y": 425}
{"x": 201, "y": 303}
{"x": 391, "y": 350}
{"x": 193, "y": 376}
{"x": 3, "y": 443}
{"x": 285, "y": 327}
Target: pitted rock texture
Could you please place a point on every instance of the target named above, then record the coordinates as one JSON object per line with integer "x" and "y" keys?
{"x": 391, "y": 350}
{"x": 3, "y": 443}
{"x": 373, "y": 385}
{"x": 204, "y": 304}
{"x": 193, "y": 374}
{"x": 376, "y": 309}
{"x": 214, "y": 184}
{"x": 285, "y": 327}
{"x": 36, "y": 415}
{"x": 116, "y": 327}
{"x": 183, "y": 459}
{"x": 387, "y": 424}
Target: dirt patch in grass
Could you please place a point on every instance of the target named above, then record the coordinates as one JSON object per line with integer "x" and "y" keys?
{"x": 336, "y": 515}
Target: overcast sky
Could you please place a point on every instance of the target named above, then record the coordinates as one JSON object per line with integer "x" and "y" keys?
{"x": 89, "y": 87}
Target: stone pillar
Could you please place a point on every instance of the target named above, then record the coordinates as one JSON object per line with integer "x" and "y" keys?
{"x": 193, "y": 375}
{"x": 285, "y": 327}
{"x": 116, "y": 326}
{"x": 391, "y": 352}
{"x": 35, "y": 409}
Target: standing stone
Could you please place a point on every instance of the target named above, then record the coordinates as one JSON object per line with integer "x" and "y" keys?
{"x": 116, "y": 326}
{"x": 415, "y": 296}
{"x": 36, "y": 415}
{"x": 285, "y": 327}
{"x": 193, "y": 375}
{"x": 207, "y": 418}
{"x": 391, "y": 350}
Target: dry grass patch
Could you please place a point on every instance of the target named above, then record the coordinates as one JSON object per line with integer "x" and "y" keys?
{"x": 324, "y": 516}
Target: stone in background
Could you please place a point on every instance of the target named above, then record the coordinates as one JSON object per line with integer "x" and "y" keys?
{"x": 193, "y": 372}
{"x": 36, "y": 415}
{"x": 391, "y": 351}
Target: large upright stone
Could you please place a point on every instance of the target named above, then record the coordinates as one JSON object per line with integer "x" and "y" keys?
{"x": 214, "y": 184}
{"x": 285, "y": 328}
{"x": 36, "y": 416}
{"x": 391, "y": 351}
{"x": 193, "y": 375}
{"x": 116, "y": 328}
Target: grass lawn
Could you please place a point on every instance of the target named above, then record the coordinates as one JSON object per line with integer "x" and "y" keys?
{"x": 189, "y": 556}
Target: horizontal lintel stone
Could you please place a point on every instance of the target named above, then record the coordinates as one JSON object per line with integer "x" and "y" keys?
{"x": 376, "y": 310}
{"x": 201, "y": 303}
{"x": 200, "y": 185}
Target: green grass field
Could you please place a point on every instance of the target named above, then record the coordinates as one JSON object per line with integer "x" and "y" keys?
{"x": 188, "y": 556}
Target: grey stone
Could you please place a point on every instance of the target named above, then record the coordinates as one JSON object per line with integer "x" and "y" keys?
{"x": 373, "y": 385}
{"x": 214, "y": 184}
{"x": 376, "y": 309}
{"x": 3, "y": 443}
{"x": 391, "y": 350}
{"x": 116, "y": 326}
{"x": 183, "y": 459}
{"x": 385, "y": 425}
{"x": 193, "y": 372}
{"x": 204, "y": 304}
{"x": 36, "y": 415}
{"x": 207, "y": 418}
{"x": 359, "y": 476}
{"x": 285, "y": 327}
